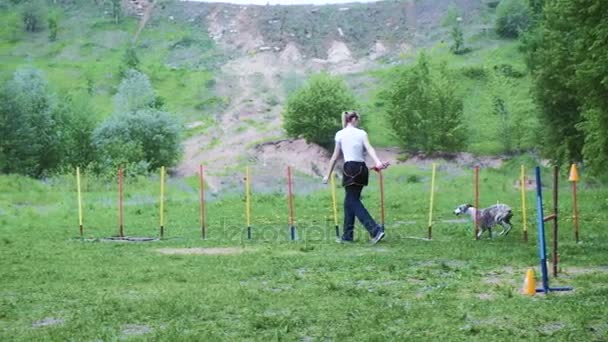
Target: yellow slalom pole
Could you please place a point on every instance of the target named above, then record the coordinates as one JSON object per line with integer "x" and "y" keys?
{"x": 522, "y": 181}
{"x": 79, "y": 201}
{"x": 162, "y": 200}
{"x": 248, "y": 202}
{"x": 333, "y": 201}
{"x": 430, "y": 226}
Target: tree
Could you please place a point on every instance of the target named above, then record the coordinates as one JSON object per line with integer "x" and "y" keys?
{"x": 130, "y": 59}
{"x": 147, "y": 137}
{"x": 513, "y": 110}
{"x": 77, "y": 120}
{"x": 11, "y": 29}
{"x": 30, "y": 140}
{"x": 457, "y": 47}
{"x": 116, "y": 10}
{"x": 138, "y": 134}
{"x": 512, "y": 18}
{"x": 424, "y": 110}
{"x": 33, "y": 13}
{"x": 53, "y": 23}
{"x": 134, "y": 92}
{"x": 313, "y": 111}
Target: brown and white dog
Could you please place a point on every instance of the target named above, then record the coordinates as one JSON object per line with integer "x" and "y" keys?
{"x": 498, "y": 214}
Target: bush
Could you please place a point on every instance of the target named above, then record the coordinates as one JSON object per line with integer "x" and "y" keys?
{"x": 313, "y": 112}
{"x": 134, "y": 92}
{"x": 474, "y": 72}
{"x": 33, "y": 13}
{"x": 11, "y": 28}
{"x": 77, "y": 121}
{"x": 424, "y": 111}
{"x": 512, "y": 18}
{"x": 146, "y": 137}
{"x": 508, "y": 71}
{"x": 30, "y": 139}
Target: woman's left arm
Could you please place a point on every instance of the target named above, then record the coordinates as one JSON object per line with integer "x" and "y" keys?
{"x": 332, "y": 161}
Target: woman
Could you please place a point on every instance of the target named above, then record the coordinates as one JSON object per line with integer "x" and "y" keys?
{"x": 353, "y": 143}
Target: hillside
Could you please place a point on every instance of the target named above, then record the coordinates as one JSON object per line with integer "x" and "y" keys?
{"x": 227, "y": 70}
{"x": 271, "y": 49}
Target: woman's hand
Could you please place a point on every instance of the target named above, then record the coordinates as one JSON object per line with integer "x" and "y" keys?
{"x": 381, "y": 165}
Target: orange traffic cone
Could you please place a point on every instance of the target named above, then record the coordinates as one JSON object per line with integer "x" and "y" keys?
{"x": 529, "y": 287}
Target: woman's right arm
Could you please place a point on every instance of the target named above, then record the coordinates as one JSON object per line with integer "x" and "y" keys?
{"x": 372, "y": 152}
{"x": 332, "y": 161}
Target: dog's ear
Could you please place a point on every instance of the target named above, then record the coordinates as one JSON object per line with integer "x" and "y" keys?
{"x": 468, "y": 206}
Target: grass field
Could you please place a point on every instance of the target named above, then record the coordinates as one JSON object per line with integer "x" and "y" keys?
{"x": 55, "y": 286}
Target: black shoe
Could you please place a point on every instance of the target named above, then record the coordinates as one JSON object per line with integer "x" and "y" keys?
{"x": 379, "y": 236}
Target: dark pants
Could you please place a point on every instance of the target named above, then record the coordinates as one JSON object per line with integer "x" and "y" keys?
{"x": 353, "y": 207}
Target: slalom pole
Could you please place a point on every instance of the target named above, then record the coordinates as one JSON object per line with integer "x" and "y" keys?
{"x": 476, "y": 218}
{"x": 248, "y": 202}
{"x": 79, "y": 202}
{"x": 573, "y": 178}
{"x": 381, "y": 180}
{"x": 120, "y": 210}
{"x": 333, "y": 200}
{"x": 522, "y": 181}
{"x": 430, "y": 226}
{"x": 555, "y": 188}
{"x": 292, "y": 228}
{"x": 542, "y": 248}
{"x": 162, "y": 200}
{"x": 202, "y": 200}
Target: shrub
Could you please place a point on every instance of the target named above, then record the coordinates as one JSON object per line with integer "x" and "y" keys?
{"x": 512, "y": 18}
{"x": 313, "y": 112}
{"x": 134, "y": 92}
{"x": 77, "y": 120}
{"x": 474, "y": 72}
{"x": 30, "y": 139}
{"x": 33, "y": 13}
{"x": 144, "y": 137}
{"x": 11, "y": 28}
{"x": 424, "y": 110}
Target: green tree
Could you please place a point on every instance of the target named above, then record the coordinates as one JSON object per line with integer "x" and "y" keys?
{"x": 424, "y": 110}
{"x": 458, "y": 39}
{"x": 570, "y": 66}
{"x": 116, "y": 6}
{"x": 134, "y": 92}
{"x": 590, "y": 63}
{"x": 514, "y": 112}
{"x": 512, "y": 18}
{"x": 53, "y": 24}
{"x": 30, "y": 141}
{"x": 313, "y": 111}
{"x": 53, "y": 27}
{"x": 130, "y": 59}
{"x": 11, "y": 28}
{"x": 33, "y": 13}
{"x": 76, "y": 118}
{"x": 145, "y": 138}
{"x": 138, "y": 135}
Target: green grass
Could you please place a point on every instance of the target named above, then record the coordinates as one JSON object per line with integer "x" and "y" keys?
{"x": 453, "y": 287}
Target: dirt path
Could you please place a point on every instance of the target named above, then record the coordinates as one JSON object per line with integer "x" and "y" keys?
{"x": 148, "y": 9}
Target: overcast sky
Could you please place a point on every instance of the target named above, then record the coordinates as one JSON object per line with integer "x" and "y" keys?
{"x": 284, "y": 2}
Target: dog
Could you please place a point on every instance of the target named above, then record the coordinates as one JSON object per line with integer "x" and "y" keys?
{"x": 498, "y": 214}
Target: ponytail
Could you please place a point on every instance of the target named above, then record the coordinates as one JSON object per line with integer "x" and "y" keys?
{"x": 348, "y": 117}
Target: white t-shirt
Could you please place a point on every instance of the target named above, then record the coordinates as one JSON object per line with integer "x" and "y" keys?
{"x": 351, "y": 140}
